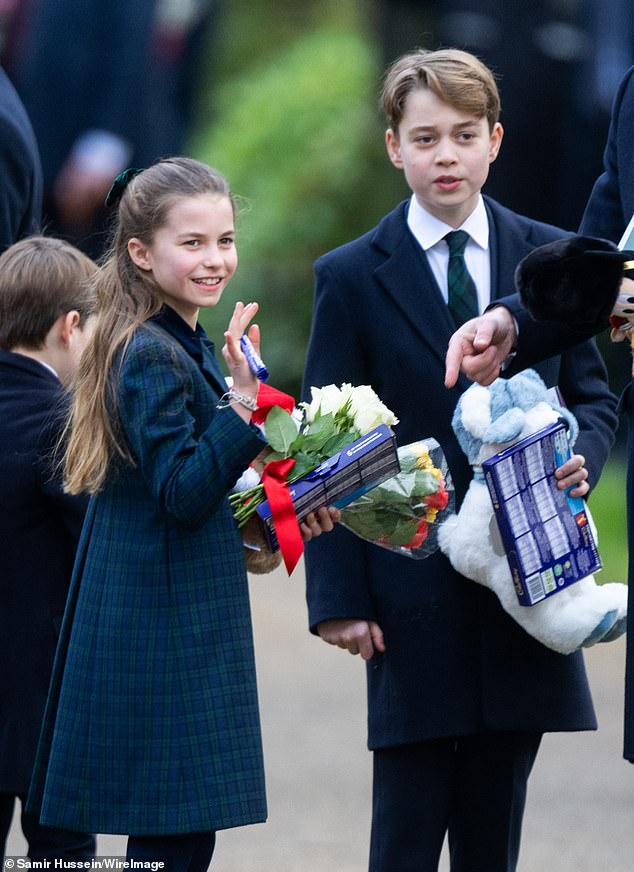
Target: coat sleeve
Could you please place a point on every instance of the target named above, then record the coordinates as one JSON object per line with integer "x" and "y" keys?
{"x": 188, "y": 472}
{"x": 583, "y": 381}
{"x": 20, "y": 200}
{"x": 605, "y": 215}
{"x": 336, "y": 575}
{"x": 539, "y": 340}
{"x": 69, "y": 508}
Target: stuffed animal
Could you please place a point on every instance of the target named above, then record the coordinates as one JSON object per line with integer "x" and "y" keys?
{"x": 487, "y": 420}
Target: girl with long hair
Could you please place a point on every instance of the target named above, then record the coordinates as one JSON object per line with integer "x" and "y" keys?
{"x": 152, "y": 725}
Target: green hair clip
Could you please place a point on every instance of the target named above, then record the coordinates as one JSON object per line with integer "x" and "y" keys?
{"x": 120, "y": 184}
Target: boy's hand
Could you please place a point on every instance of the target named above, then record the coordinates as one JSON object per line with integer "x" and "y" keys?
{"x": 480, "y": 347}
{"x": 573, "y": 473}
{"x": 357, "y": 637}
{"x": 321, "y": 521}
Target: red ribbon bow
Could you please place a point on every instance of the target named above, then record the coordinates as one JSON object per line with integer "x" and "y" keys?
{"x": 286, "y": 525}
{"x": 269, "y": 397}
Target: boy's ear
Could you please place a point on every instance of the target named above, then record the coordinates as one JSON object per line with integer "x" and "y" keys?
{"x": 139, "y": 253}
{"x": 495, "y": 141}
{"x": 393, "y": 148}
{"x": 68, "y": 323}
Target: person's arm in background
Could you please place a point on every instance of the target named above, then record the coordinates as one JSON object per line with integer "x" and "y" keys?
{"x": 606, "y": 215}
{"x": 583, "y": 383}
{"x": 482, "y": 346}
{"x": 20, "y": 170}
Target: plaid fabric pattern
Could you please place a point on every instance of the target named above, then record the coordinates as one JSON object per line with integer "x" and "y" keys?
{"x": 152, "y": 723}
{"x": 463, "y": 296}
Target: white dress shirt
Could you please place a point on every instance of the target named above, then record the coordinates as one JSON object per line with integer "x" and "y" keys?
{"x": 429, "y": 232}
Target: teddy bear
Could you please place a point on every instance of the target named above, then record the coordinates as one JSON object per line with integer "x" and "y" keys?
{"x": 487, "y": 420}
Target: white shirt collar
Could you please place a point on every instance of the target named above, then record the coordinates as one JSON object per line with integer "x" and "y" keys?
{"x": 429, "y": 230}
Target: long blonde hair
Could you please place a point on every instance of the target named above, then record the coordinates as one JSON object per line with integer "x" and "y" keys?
{"x": 126, "y": 297}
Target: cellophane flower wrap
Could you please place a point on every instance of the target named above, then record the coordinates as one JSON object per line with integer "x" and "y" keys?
{"x": 404, "y": 513}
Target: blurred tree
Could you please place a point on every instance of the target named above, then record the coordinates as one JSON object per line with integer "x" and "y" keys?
{"x": 297, "y": 131}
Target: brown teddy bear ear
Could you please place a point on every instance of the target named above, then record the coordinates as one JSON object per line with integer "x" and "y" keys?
{"x": 259, "y": 558}
{"x": 574, "y": 280}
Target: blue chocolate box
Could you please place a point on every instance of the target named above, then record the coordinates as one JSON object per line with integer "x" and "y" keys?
{"x": 342, "y": 478}
{"x": 545, "y": 533}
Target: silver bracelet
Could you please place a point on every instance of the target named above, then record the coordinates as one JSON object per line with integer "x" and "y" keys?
{"x": 233, "y": 396}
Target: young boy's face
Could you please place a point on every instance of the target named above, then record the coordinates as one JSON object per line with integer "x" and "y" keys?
{"x": 444, "y": 153}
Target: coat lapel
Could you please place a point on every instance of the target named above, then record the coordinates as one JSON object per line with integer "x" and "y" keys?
{"x": 510, "y": 239}
{"x": 211, "y": 367}
{"x": 408, "y": 281}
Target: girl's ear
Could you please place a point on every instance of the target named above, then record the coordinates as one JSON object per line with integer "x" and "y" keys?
{"x": 139, "y": 253}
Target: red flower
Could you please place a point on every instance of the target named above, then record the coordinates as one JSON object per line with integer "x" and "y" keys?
{"x": 419, "y": 536}
{"x": 438, "y": 500}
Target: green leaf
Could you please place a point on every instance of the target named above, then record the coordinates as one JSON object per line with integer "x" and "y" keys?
{"x": 403, "y": 533}
{"x": 426, "y": 483}
{"x": 324, "y": 426}
{"x": 303, "y": 464}
{"x": 338, "y": 442}
{"x": 280, "y": 430}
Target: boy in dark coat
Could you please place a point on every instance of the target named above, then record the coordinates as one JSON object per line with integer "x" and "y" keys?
{"x": 459, "y": 696}
{"x": 44, "y": 309}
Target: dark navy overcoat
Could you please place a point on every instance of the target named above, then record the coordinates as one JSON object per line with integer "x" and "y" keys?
{"x": 39, "y": 532}
{"x": 455, "y": 662}
{"x": 152, "y": 722}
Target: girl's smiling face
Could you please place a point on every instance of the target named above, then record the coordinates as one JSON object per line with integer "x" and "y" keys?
{"x": 193, "y": 255}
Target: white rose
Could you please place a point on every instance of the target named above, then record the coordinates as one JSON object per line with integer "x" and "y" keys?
{"x": 368, "y": 411}
{"x": 325, "y": 400}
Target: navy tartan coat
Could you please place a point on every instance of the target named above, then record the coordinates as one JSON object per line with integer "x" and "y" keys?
{"x": 152, "y": 722}
{"x": 455, "y": 662}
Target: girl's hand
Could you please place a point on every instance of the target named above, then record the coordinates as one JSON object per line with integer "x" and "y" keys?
{"x": 243, "y": 379}
{"x": 573, "y": 473}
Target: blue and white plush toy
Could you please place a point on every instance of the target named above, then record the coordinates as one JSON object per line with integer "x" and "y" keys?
{"x": 487, "y": 420}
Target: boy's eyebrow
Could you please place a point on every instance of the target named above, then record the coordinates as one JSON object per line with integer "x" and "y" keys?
{"x": 460, "y": 124}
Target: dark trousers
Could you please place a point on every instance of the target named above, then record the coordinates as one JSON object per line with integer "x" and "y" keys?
{"x": 45, "y": 843}
{"x": 472, "y": 788}
{"x": 189, "y": 852}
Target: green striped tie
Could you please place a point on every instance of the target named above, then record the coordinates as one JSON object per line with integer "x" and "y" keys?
{"x": 463, "y": 297}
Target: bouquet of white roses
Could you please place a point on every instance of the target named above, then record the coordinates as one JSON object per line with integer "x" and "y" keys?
{"x": 402, "y": 513}
{"x": 311, "y": 434}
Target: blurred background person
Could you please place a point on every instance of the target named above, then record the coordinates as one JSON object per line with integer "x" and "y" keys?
{"x": 107, "y": 85}
{"x": 20, "y": 169}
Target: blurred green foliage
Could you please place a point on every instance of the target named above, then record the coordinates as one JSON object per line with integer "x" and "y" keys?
{"x": 607, "y": 503}
{"x": 296, "y": 129}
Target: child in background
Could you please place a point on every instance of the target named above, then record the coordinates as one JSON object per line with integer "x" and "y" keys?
{"x": 152, "y": 726}
{"x": 46, "y": 306}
